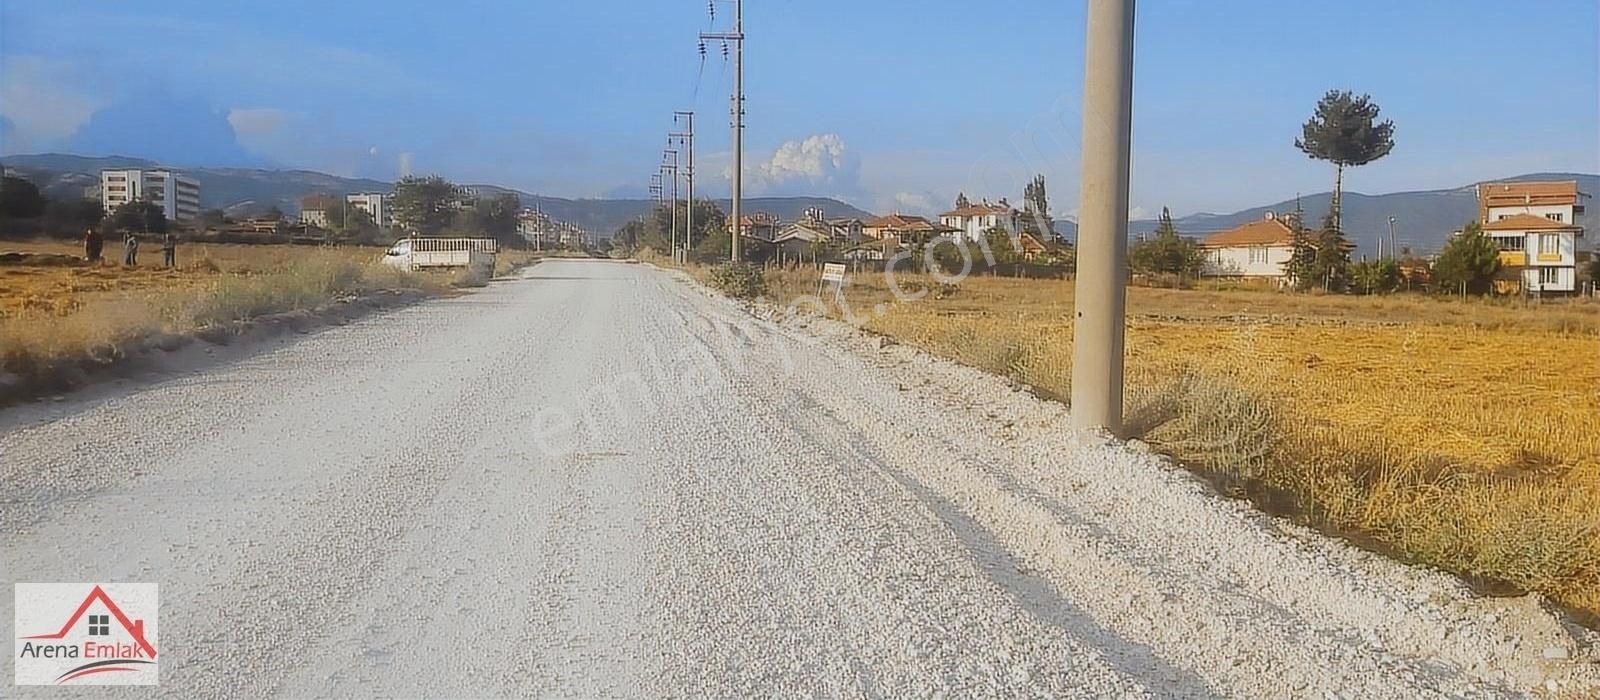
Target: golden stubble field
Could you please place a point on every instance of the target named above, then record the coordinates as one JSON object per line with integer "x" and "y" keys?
{"x": 54, "y": 310}
{"x": 1463, "y": 434}
{"x": 59, "y": 290}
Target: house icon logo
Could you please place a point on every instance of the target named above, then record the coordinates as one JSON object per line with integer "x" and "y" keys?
{"x": 86, "y": 634}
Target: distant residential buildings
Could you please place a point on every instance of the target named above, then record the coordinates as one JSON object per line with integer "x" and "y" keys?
{"x": 1533, "y": 223}
{"x": 761, "y": 226}
{"x": 797, "y": 239}
{"x": 314, "y": 209}
{"x": 177, "y": 194}
{"x": 378, "y": 205}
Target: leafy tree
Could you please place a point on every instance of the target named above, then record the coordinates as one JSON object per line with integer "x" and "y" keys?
{"x": 1167, "y": 253}
{"x": 139, "y": 217}
{"x": 213, "y": 217}
{"x": 1036, "y": 202}
{"x": 1345, "y": 131}
{"x": 961, "y": 200}
{"x": 73, "y": 215}
{"x": 1468, "y": 262}
{"x": 642, "y": 233}
{"x": 1380, "y": 276}
{"x": 1594, "y": 267}
{"x": 1332, "y": 262}
{"x": 273, "y": 212}
{"x": 20, "y": 199}
{"x": 1001, "y": 245}
{"x": 425, "y": 205}
{"x": 495, "y": 217}
{"x": 1301, "y": 267}
{"x": 710, "y": 238}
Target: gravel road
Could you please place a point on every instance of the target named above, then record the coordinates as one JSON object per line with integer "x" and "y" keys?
{"x": 599, "y": 480}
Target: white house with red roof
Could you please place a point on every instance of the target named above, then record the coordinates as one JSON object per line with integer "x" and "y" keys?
{"x": 1258, "y": 249}
{"x": 974, "y": 220}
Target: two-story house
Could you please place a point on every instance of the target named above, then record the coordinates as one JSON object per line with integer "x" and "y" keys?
{"x": 1535, "y": 226}
{"x": 973, "y": 221}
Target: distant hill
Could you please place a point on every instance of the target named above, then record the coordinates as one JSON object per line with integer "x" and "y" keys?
{"x": 1424, "y": 220}
{"x": 243, "y": 191}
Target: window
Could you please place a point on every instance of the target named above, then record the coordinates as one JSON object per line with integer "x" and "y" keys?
{"x": 1258, "y": 254}
{"x": 1501, "y": 217}
{"x": 1556, "y": 217}
{"x": 99, "y": 625}
{"x": 1509, "y": 242}
{"x": 1549, "y": 276}
{"x": 1550, "y": 244}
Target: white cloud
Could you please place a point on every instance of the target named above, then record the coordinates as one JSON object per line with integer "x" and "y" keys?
{"x": 40, "y": 109}
{"x": 256, "y": 121}
{"x": 819, "y": 164}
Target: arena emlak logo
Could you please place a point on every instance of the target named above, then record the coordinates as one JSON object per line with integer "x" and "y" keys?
{"x": 86, "y": 634}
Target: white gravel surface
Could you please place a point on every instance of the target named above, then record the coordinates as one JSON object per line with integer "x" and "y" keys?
{"x": 599, "y": 480}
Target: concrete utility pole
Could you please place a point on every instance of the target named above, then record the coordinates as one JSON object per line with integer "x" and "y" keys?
{"x": 686, "y": 139}
{"x": 1393, "y": 251}
{"x": 737, "y": 111}
{"x": 1101, "y": 292}
{"x": 671, "y": 170}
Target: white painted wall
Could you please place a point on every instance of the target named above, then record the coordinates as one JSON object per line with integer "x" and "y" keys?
{"x": 1565, "y": 210}
{"x": 1236, "y": 262}
{"x": 1566, "y": 279}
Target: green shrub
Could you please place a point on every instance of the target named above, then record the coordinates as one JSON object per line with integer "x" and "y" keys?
{"x": 739, "y": 280}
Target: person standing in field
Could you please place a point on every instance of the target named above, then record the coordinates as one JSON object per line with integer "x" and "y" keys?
{"x": 169, "y": 251}
{"x": 130, "y": 250}
{"x": 93, "y": 244}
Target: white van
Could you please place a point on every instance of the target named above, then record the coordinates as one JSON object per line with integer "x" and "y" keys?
{"x": 416, "y": 254}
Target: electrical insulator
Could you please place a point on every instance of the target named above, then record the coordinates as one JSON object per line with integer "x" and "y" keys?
{"x": 711, "y": 7}
{"x": 724, "y": 50}
{"x": 702, "y": 48}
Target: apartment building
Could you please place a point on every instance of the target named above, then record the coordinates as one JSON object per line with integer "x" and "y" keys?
{"x": 378, "y": 205}
{"x": 1535, "y": 226}
{"x": 177, "y": 194}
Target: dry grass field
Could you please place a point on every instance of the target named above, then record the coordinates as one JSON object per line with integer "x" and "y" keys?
{"x": 1464, "y": 434}
{"x": 53, "y": 308}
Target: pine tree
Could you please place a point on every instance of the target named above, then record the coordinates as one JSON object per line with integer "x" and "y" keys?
{"x": 1332, "y": 262}
{"x": 1301, "y": 266}
{"x": 1345, "y": 131}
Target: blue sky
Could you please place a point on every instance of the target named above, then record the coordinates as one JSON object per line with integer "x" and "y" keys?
{"x": 890, "y": 104}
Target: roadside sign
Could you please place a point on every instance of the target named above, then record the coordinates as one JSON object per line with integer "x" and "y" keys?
{"x": 833, "y": 272}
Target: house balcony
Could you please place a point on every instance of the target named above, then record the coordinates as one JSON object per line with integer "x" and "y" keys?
{"x": 1513, "y": 258}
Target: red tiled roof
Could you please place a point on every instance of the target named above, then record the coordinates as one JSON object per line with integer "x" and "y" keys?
{"x": 1526, "y": 222}
{"x": 1261, "y": 232}
{"x": 978, "y": 210}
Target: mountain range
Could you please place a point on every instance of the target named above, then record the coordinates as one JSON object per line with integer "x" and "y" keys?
{"x": 1423, "y": 219}
{"x": 246, "y": 191}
